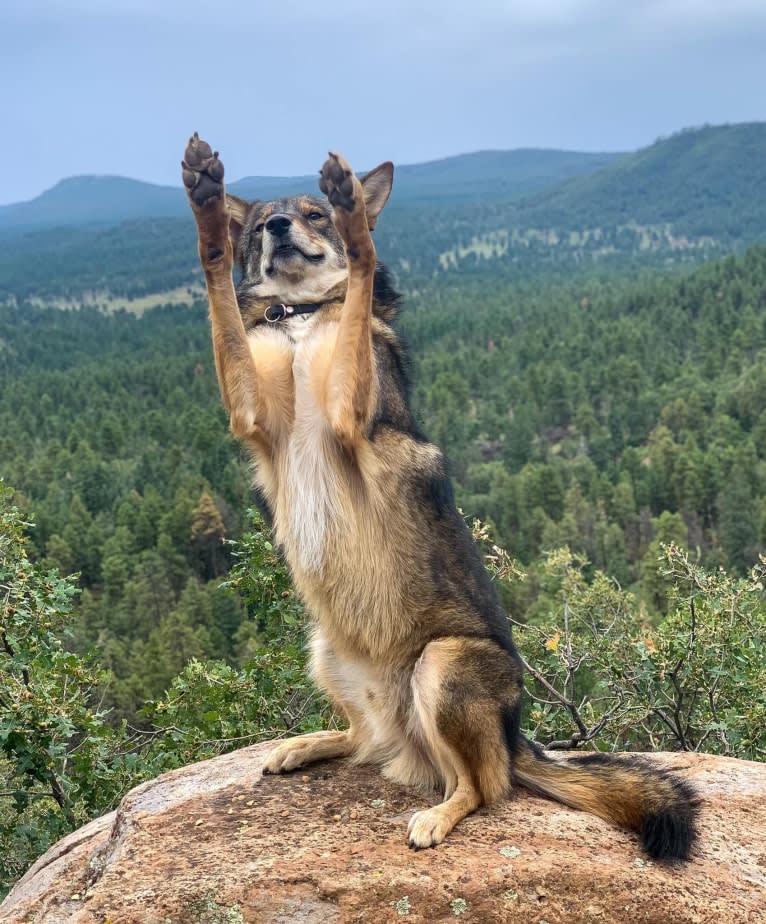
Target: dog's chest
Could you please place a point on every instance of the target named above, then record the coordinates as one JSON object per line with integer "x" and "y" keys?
{"x": 311, "y": 477}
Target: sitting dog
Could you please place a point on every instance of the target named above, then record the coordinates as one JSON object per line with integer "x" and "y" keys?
{"x": 409, "y": 638}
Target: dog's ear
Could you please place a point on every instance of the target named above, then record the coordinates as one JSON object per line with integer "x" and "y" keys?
{"x": 238, "y": 212}
{"x": 377, "y": 188}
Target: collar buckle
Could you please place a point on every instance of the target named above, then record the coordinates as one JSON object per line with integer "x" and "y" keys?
{"x": 277, "y": 312}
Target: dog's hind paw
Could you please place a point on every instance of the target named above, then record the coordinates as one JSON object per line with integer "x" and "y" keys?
{"x": 337, "y": 182}
{"x": 202, "y": 171}
{"x": 428, "y": 828}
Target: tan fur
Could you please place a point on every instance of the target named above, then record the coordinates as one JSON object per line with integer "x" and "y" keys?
{"x": 295, "y": 752}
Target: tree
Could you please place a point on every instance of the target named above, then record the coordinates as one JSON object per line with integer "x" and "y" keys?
{"x": 83, "y": 538}
{"x": 669, "y": 529}
{"x": 738, "y": 520}
{"x": 207, "y": 533}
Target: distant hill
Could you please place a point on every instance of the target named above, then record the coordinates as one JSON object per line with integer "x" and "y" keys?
{"x": 487, "y": 174}
{"x": 709, "y": 181}
{"x": 694, "y": 195}
{"x": 109, "y": 200}
{"x": 697, "y": 194}
{"x": 93, "y": 200}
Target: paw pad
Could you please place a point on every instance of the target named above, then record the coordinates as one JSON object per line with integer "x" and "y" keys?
{"x": 202, "y": 171}
{"x": 336, "y": 180}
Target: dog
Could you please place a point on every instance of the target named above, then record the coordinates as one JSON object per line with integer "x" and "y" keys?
{"x": 409, "y": 638}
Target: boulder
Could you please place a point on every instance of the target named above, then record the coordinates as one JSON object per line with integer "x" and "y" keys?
{"x": 217, "y": 843}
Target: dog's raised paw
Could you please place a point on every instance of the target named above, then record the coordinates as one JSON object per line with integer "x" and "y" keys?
{"x": 336, "y": 180}
{"x": 202, "y": 171}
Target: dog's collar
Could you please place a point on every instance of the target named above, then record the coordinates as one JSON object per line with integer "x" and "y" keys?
{"x": 279, "y": 312}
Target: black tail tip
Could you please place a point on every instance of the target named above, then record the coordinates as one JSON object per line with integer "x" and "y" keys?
{"x": 669, "y": 836}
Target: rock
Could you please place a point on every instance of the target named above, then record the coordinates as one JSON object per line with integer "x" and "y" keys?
{"x": 215, "y": 843}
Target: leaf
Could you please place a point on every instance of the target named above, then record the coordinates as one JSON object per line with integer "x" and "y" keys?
{"x": 552, "y": 644}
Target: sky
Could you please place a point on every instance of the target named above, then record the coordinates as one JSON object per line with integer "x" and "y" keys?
{"x": 117, "y": 86}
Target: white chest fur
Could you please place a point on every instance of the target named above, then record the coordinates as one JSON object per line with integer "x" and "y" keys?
{"x": 311, "y": 476}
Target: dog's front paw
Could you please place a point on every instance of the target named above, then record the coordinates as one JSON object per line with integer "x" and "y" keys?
{"x": 287, "y": 756}
{"x": 344, "y": 190}
{"x": 428, "y": 828}
{"x": 202, "y": 171}
{"x": 338, "y": 183}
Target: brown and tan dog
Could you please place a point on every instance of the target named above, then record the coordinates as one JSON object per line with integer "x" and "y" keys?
{"x": 409, "y": 638}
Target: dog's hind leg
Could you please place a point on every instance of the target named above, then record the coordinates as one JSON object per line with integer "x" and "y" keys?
{"x": 218, "y": 217}
{"x": 466, "y": 694}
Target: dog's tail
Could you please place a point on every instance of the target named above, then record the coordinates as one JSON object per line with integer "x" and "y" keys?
{"x": 656, "y": 804}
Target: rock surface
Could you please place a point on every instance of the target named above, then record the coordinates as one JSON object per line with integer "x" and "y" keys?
{"x": 215, "y": 843}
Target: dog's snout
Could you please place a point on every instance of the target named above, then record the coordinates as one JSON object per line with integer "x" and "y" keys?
{"x": 279, "y": 225}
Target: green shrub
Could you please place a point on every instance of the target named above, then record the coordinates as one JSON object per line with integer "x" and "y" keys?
{"x": 212, "y": 706}
{"x": 601, "y": 674}
{"x": 60, "y": 763}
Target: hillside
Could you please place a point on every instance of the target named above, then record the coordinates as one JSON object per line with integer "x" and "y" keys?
{"x": 706, "y": 182}
{"x": 92, "y": 200}
{"x": 131, "y": 259}
{"x": 88, "y": 201}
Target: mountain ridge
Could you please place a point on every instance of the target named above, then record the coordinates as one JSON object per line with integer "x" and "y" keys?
{"x": 667, "y": 181}
{"x": 109, "y": 199}
{"x": 697, "y": 194}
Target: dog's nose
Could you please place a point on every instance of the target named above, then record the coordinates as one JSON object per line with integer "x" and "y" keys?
{"x": 279, "y": 225}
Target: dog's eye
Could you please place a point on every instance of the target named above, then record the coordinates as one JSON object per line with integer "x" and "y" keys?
{"x": 315, "y": 216}
{"x": 259, "y": 227}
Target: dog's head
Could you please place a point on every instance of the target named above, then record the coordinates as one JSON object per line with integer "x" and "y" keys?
{"x": 289, "y": 250}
